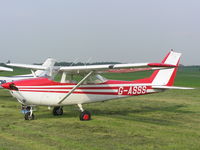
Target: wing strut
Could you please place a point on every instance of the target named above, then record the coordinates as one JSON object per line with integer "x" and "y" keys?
{"x": 33, "y": 73}
{"x": 70, "y": 92}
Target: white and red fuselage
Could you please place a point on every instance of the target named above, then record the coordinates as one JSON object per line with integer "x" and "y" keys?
{"x": 44, "y": 91}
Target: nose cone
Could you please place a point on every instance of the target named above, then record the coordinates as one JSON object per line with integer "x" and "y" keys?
{"x": 10, "y": 86}
{"x": 6, "y": 85}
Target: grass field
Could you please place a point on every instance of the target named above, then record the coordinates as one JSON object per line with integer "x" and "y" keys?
{"x": 164, "y": 121}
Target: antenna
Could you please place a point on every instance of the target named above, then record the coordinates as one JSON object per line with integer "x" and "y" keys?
{"x": 88, "y": 61}
{"x": 74, "y": 61}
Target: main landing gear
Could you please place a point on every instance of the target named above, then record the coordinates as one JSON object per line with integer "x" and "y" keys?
{"x": 28, "y": 112}
{"x": 57, "y": 111}
{"x": 85, "y": 115}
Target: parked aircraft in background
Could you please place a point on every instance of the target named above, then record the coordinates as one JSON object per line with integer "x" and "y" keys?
{"x": 92, "y": 87}
{"x": 47, "y": 66}
{"x": 5, "y": 69}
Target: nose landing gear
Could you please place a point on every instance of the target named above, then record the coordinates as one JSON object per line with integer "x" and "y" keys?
{"x": 29, "y": 116}
{"x": 28, "y": 112}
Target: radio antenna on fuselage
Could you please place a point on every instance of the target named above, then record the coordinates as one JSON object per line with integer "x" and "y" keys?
{"x": 88, "y": 61}
{"x": 73, "y": 62}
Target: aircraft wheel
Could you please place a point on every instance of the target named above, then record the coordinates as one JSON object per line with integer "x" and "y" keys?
{"x": 28, "y": 116}
{"x": 85, "y": 116}
{"x": 57, "y": 111}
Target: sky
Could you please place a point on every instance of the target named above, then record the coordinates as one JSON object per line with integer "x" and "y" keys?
{"x": 125, "y": 31}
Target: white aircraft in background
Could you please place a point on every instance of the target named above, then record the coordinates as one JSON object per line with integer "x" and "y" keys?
{"x": 92, "y": 87}
{"x": 5, "y": 69}
{"x": 43, "y": 70}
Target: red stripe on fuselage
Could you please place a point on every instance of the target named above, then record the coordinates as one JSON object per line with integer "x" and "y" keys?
{"x": 96, "y": 93}
{"x": 92, "y": 93}
{"x": 67, "y": 88}
{"x": 123, "y": 90}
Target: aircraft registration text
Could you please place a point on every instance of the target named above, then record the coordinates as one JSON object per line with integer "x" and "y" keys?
{"x": 132, "y": 90}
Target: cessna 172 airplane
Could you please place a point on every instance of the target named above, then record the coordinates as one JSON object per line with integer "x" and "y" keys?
{"x": 92, "y": 87}
{"x": 46, "y": 71}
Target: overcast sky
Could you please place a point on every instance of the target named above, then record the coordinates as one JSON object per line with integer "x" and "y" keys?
{"x": 99, "y": 30}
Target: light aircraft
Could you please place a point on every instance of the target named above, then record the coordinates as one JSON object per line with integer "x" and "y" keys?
{"x": 46, "y": 71}
{"x": 92, "y": 87}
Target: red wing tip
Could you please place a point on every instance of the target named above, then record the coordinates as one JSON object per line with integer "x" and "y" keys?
{"x": 160, "y": 65}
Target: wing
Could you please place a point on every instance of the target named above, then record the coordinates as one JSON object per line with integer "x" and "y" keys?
{"x": 105, "y": 68}
{"x": 5, "y": 69}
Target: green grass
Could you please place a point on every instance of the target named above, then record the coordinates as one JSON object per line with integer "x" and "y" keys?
{"x": 164, "y": 121}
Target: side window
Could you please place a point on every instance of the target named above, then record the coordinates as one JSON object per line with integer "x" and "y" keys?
{"x": 95, "y": 79}
{"x": 75, "y": 78}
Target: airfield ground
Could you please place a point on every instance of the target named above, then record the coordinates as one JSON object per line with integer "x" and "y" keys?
{"x": 164, "y": 121}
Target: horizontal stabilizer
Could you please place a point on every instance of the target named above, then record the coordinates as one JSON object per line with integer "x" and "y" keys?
{"x": 171, "y": 87}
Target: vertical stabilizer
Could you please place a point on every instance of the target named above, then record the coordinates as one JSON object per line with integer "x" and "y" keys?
{"x": 167, "y": 76}
{"x": 49, "y": 63}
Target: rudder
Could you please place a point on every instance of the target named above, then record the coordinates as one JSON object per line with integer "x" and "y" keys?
{"x": 50, "y": 62}
{"x": 167, "y": 76}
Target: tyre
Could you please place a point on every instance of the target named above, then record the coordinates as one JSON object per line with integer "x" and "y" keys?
{"x": 57, "y": 111}
{"x": 85, "y": 116}
{"x": 28, "y": 116}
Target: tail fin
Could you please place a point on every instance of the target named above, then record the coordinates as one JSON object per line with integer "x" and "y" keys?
{"x": 167, "y": 76}
{"x": 49, "y": 63}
